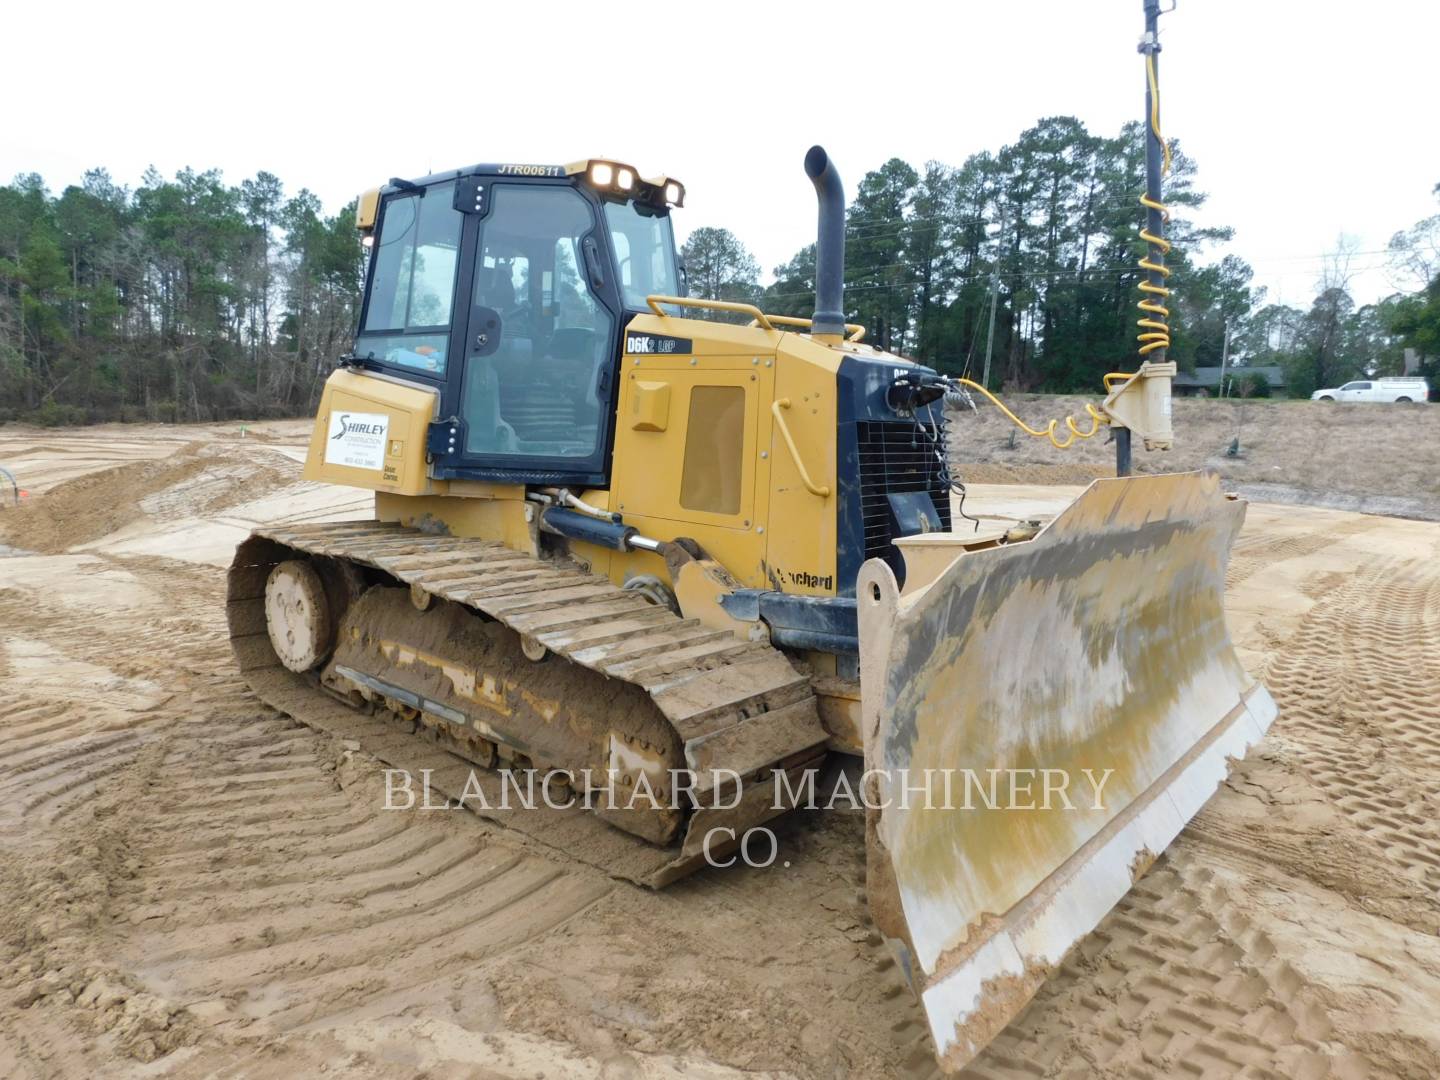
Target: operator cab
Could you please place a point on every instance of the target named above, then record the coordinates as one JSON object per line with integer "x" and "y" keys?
{"x": 507, "y": 287}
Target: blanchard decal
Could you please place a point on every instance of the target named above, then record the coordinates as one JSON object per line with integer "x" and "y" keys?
{"x": 529, "y": 170}
{"x": 658, "y": 345}
{"x": 357, "y": 440}
{"x": 807, "y": 580}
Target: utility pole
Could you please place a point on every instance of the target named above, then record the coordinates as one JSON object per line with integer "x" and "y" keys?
{"x": 1224, "y": 358}
{"x": 1155, "y": 160}
{"x": 994, "y": 296}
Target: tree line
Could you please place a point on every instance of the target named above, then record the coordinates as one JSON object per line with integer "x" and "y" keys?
{"x": 188, "y": 298}
{"x": 1029, "y": 254}
{"x": 183, "y": 299}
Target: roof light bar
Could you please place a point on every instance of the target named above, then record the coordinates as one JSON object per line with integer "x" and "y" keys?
{"x": 623, "y": 181}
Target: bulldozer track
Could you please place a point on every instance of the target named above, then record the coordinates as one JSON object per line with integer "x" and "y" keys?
{"x": 735, "y": 706}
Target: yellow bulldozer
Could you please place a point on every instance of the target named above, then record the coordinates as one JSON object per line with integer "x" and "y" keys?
{"x": 625, "y": 543}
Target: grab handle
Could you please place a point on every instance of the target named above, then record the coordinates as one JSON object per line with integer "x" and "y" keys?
{"x": 810, "y": 485}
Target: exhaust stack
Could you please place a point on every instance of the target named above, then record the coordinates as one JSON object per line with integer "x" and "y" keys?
{"x": 829, "y": 245}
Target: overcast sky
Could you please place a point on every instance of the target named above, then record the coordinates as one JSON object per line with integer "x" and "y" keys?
{"x": 1308, "y": 119}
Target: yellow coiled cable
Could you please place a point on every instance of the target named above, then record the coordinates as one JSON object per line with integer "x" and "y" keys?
{"x": 1097, "y": 418}
{"x": 1154, "y": 330}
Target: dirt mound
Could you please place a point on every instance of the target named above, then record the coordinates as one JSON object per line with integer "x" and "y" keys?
{"x": 93, "y": 506}
{"x": 38, "y": 449}
{"x": 200, "y": 478}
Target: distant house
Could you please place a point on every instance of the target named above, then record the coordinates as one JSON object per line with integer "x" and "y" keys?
{"x": 1205, "y": 382}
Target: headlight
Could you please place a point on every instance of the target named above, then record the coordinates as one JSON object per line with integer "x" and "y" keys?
{"x": 618, "y": 180}
{"x": 368, "y": 240}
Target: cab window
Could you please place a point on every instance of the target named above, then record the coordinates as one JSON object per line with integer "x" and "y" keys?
{"x": 412, "y": 285}
{"x": 644, "y": 246}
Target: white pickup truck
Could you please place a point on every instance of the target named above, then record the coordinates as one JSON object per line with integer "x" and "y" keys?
{"x": 1392, "y": 389}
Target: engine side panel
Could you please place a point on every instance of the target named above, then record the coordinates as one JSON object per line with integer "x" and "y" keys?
{"x": 682, "y": 469}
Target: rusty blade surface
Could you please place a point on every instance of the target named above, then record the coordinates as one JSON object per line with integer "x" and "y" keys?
{"x": 1095, "y": 656}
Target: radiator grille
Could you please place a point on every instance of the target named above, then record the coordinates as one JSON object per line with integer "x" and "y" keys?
{"x": 894, "y": 457}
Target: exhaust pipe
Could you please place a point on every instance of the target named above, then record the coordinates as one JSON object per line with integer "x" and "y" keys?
{"x": 829, "y": 244}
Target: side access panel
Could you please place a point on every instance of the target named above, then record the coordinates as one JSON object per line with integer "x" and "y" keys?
{"x": 370, "y": 432}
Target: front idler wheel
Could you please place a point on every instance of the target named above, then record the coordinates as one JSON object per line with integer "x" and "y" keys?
{"x": 297, "y": 615}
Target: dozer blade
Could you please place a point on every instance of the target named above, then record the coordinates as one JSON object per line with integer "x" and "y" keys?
{"x": 1027, "y": 676}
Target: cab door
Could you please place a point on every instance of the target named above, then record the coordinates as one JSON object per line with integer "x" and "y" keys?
{"x": 541, "y": 339}
{"x": 1353, "y": 391}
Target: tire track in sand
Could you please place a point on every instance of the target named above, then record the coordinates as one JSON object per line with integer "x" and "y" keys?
{"x": 1358, "y": 718}
{"x": 265, "y": 881}
{"x": 1175, "y": 982}
{"x": 1255, "y": 552}
{"x": 293, "y": 934}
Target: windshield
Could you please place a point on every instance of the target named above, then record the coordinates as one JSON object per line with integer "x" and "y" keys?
{"x": 412, "y": 286}
{"x": 644, "y": 251}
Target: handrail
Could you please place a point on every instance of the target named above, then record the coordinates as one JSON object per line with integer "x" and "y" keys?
{"x": 855, "y": 331}
{"x": 810, "y": 485}
{"x": 754, "y": 312}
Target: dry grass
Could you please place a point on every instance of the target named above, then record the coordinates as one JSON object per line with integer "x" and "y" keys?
{"x": 1387, "y": 450}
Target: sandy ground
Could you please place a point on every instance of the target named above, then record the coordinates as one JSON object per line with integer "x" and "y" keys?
{"x": 194, "y": 886}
